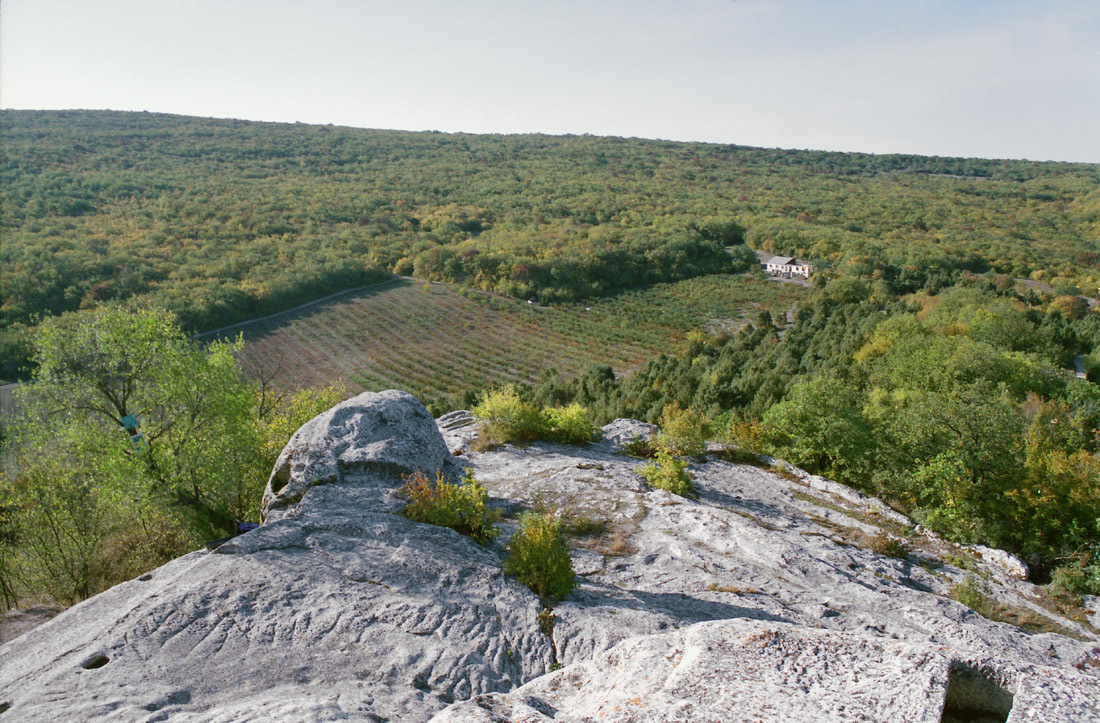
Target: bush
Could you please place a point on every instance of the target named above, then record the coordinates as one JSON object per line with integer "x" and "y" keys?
{"x": 683, "y": 432}
{"x": 1076, "y": 578}
{"x": 568, "y": 425}
{"x": 509, "y": 419}
{"x": 538, "y": 556}
{"x": 640, "y": 447}
{"x": 461, "y": 506}
{"x": 667, "y": 473}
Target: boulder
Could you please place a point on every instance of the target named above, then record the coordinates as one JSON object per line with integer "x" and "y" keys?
{"x": 374, "y": 436}
{"x": 1006, "y": 561}
{"x": 621, "y": 432}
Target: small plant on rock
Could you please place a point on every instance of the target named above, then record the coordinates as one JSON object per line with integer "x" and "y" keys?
{"x": 582, "y": 525}
{"x": 885, "y": 544}
{"x": 538, "y": 556}
{"x": 668, "y": 473}
{"x": 1076, "y": 578}
{"x": 683, "y": 432}
{"x": 510, "y": 419}
{"x": 973, "y": 594}
{"x": 461, "y": 506}
{"x": 639, "y": 447}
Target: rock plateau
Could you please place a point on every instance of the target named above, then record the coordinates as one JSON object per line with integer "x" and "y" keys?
{"x": 761, "y": 599}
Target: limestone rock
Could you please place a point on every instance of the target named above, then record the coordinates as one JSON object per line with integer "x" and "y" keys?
{"x": 770, "y": 552}
{"x": 760, "y": 598}
{"x": 1092, "y": 604}
{"x": 336, "y": 608}
{"x": 621, "y": 432}
{"x": 729, "y": 671}
{"x": 1009, "y": 563}
{"x": 381, "y": 435}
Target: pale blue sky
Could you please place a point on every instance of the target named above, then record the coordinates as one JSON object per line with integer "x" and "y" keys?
{"x": 960, "y": 77}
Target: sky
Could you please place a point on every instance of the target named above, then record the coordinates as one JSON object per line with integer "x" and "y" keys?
{"x": 976, "y": 78}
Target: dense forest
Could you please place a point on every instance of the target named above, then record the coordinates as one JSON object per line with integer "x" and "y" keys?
{"x": 223, "y": 220}
{"x": 933, "y": 362}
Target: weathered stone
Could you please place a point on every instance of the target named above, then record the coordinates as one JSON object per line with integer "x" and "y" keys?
{"x": 759, "y": 599}
{"x": 1092, "y": 604}
{"x": 621, "y": 432}
{"x": 737, "y": 670}
{"x": 1009, "y": 563}
{"x": 14, "y": 623}
{"x": 378, "y": 436}
{"x": 336, "y": 608}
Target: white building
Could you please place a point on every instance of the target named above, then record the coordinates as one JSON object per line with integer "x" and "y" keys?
{"x": 788, "y": 266}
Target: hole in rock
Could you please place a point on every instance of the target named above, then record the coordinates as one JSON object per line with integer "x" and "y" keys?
{"x": 4, "y": 707}
{"x": 977, "y": 695}
{"x": 95, "y": 660}
{"x": 279, "y": 480}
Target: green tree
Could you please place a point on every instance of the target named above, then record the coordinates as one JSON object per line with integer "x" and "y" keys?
{"x": 819, "y": 426}
{"x": 960, "y": 452}
{"x": 88, "y": 500}
{"x": 97, "y": 372}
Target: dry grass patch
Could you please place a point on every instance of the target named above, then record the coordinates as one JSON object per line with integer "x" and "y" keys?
{"x": 715, "y": 587}
{"x": 615, "y": 544}
{"x": 974, "y": 594}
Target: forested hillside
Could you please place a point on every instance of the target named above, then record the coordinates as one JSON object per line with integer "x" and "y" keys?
{"x": 221, "y": 220}
{"x": 917, "y": 367}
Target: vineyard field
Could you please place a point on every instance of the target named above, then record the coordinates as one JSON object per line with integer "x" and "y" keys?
{"x": 437, "y": 342}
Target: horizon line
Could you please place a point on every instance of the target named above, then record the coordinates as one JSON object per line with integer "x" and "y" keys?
{"x": 549, "y": 134}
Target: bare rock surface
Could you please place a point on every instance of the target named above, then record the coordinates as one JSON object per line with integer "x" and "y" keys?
{"x": 760, "y": 599}
{"x": 745, "y": 671}
{"x": 335, "y": 609}
{"x": 16, "y": 622}
{"x": 789, "y": 553}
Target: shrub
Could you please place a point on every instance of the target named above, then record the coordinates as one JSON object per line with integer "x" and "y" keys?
{"x": 568, "y": 425}
{"x": 538, "y": 556}
{"x": 1076, "y": 578}
{"x": 667, "y": 473}
{"x": 683, "y": 432}
{"x": 743, "y": 440}
{"x": 509, "y": 419}
{"x": 639, "y": 447}
{"x": 461, "y": 506}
